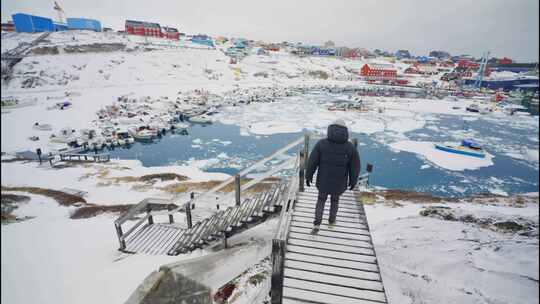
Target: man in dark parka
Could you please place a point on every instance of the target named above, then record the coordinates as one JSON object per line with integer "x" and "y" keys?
{"x": 338, "y": 165}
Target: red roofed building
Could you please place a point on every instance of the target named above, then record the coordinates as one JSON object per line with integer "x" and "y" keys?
{"x": 378, "y": 71}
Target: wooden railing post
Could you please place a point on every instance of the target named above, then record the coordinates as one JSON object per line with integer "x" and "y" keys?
{"x": 301, "y": 172}
{"x": 188, "y": 215}
{"x": 278, "y": 257}
{"x": 150, "y": 217}
{"x": 237, "y": 189}
{"x": 119, "y": 233}
{"x": 171, "y": 217}
{"x": 306, "y": 150}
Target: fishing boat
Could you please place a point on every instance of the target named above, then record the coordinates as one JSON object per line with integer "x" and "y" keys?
{"x": 124, "y": 138}
{"x": 473, "y": 108}
{"x": 179, "y": 126}
{"x": 202, "y": 119}
{"x": 142, "y": 133}
{"x": 467, "y": 147}
{"x": 65, "y": 135}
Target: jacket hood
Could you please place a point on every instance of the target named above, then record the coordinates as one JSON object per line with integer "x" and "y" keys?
{"x": 338, "y": 134}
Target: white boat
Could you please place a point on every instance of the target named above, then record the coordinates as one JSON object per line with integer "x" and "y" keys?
{"x": 142, "y": 133}
{"x": 202, "y": 119}
{"x": 43, "y": 127}
{"x": 124, "y": 138}
{"x": 179, "y": 126}
{"x": 66, "y": 135}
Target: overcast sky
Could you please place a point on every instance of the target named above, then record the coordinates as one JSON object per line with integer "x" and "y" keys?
{"x": 503, "y": 27}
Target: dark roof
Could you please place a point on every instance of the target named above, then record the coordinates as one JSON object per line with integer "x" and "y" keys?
{"x": 170, "y": 29}
{"x": 151, "y": 25}
{"x": 142, "y": 23}
{"x": 133, "y": 22}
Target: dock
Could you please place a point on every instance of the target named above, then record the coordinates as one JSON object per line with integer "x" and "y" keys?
{"x": 88, "y": 157}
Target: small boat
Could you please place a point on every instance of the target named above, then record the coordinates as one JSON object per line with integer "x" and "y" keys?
{"x": 65, "y": 136}
{"x": 179, "y": 126}
{"x": 473, "y": 108}
{"x": 124, "y": 138}
{"x": 202, "y": 119}
{"x": 142, "y": 133}
{"x": 43, "y": 127}
{"x": 467, "y": 147}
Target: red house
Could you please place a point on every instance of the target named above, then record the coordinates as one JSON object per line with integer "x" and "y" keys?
{"x": 464, "y": 63}
{"x": 505, "y": 60}
{"x": 142, "y": 28}
{"x": 8, "y": 27}
{"x": 378, "y": 71}
{"x": 171, "y": 33}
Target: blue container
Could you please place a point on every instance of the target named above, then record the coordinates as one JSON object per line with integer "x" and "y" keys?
{"x": 32, "y": 24}
{"x": 60, "y": 27}
{"x": 83, "y": 24}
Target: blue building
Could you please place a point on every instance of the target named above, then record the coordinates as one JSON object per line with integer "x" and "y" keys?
{"x": 83, "y": 24}
{"x": 32, "y": 24}
{"x": 202, "y": 39}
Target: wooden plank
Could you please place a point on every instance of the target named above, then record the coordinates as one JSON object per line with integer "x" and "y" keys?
{"x": 171, "y": 241}
{"x": 327, "y": 209}
{"x": 326, "y": 294}
{"x": 165, "y": 239}
{"x": 333, "y": 254}
{"x": 324, "y": 226}
{"x": 342, "y": 201}
{"x": 309, "y": 219}
{"x": 352, "y": 202}
{"x": 330, "y": 240}
{"x": 311, "y": 215}
{"x": 160, "y": 230}
{"x": 327, "y": 206}
{"x": 333, "y": 247}
{"x": 340, "y": 213}
{"x": 334, "y": 234}
{"x": 158, "y": 238}
{"x": 148, "y": 239}
{"x": 142, "y": 238}
{"x": 328, "y": 269}
{"x": 331, "y": 261}
{"x": 135, "y": 234}
{"x": 333, "y": 280}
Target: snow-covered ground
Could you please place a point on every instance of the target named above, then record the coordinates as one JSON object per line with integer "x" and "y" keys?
{"x": 423, "y": 259}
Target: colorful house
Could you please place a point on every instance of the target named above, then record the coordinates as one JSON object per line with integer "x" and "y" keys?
{"x": 170, "y": 33}
{"x": 378, "y": 71}
{"x": 142, "y": 28}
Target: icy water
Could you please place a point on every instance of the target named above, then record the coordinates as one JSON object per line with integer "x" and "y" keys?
{"x": 227, "y": 150}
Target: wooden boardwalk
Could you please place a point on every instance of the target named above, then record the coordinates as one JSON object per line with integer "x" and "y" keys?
{"x": 336, "y": 266}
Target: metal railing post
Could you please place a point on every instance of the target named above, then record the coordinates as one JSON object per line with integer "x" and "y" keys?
{"x": 237, "y": 188}
{"x": 278, "y": 257}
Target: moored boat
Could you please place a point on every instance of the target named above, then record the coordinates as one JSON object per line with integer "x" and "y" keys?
{"x": 202, "y": 119}
{"x": 142, "y": 133}
{"x": 467, "y": 147}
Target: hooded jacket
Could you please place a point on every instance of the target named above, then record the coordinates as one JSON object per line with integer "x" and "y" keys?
{"x": 337, "y": 161}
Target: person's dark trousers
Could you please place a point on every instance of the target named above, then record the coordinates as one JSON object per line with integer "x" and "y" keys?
{"x": 319, "y": 209}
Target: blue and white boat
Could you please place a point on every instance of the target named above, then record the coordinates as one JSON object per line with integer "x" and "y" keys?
{"x": 467, "y": 147}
